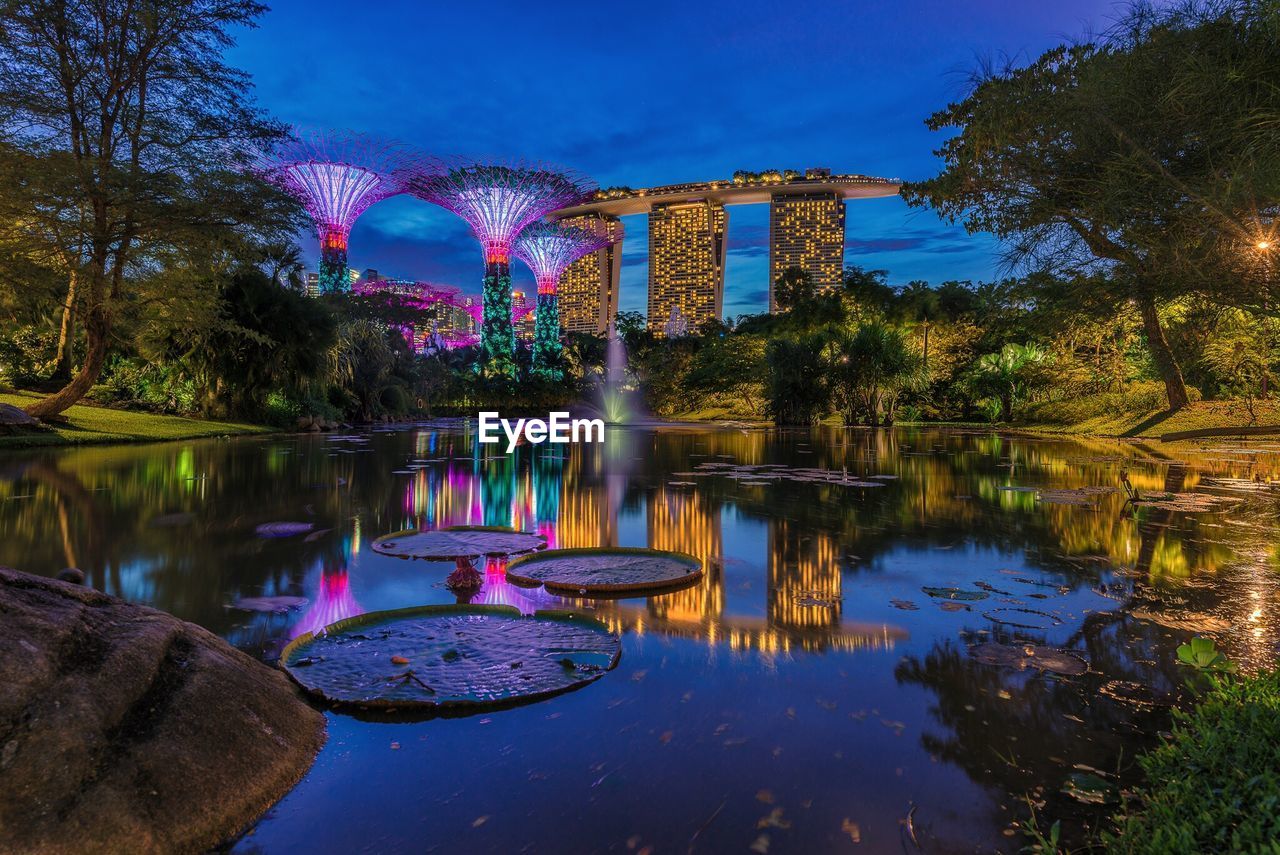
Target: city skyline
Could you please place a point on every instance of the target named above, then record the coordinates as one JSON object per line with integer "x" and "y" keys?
{"x": 787, "y": 87}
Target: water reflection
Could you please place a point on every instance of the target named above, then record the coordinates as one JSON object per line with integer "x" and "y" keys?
{"x": 811, "y": 588}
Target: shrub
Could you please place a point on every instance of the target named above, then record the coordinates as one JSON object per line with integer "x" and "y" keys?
{"x": 1215, "y": 786}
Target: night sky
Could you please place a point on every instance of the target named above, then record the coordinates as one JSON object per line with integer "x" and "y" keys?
{"x": 655, "y": 92}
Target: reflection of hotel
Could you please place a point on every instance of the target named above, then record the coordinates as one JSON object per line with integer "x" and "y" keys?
{"x": 804, "y": 578}
{"x": 682, "y": 522}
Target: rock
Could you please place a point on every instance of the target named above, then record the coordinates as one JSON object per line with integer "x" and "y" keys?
{"x": 13, "y": 420}
{"x": 124, "y": 729}
{"x": 74, "y": 575}
{"x": 305, "y": 422}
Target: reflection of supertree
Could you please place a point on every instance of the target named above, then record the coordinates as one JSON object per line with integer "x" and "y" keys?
{"x": 548, "y": 477}
{"x": 498, "y": 488}
{"x": 334, "y": 602}
{"x": 549, "y": 249}
{"x": 337, "y": 175}
{"x": 498, "y": 201}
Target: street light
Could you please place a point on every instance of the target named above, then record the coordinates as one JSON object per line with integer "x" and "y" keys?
{"x": 1263, "y": 245}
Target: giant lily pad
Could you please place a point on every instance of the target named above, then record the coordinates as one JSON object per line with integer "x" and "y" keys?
{"x": 438, "y": 658}
{"x": 460, "y": 541}
{"x": 605, "y": 570}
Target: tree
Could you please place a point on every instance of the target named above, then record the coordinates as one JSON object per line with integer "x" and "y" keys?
{"x": 133, "y": 126}
{"x": 923, "y": 306}
{"x": 793, "y": 286}
{"x": 869, "y": 370}
{"x": 1144, "y": 155}
{"x": 283, "y": 265}
{"x": 1008, "y": 375}
{"x": 795, "y": 385}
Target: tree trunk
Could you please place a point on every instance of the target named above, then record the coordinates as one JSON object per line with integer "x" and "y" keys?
{"x": 1175, "y": 387}
{"x": 96, "y": 329}
{"x": 67, "y": 334}
{"x": 1006, "y": 408}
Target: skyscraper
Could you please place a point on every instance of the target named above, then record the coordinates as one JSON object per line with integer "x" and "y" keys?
{"x": 686, "y": 264}
{"x": 589, "y": 287}
{"x": 806, "y": 230}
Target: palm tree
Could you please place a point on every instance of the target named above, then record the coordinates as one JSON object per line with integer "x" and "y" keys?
{"x": 283, "y": 264}
{"x": 1007, "y": 375}
{"x": 923, "y": 307}
{"x": 870, "y": 369}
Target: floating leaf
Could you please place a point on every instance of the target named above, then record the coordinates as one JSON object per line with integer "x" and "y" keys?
{"x": 459, "y": 542}
{"x": 955, "y": 594}
{"x": 461, "y": 657}
{"x": 275, "y": 605}
{"x": 1030, "y": 656}
{"x": 1023, "y": 618}
{"x": 283, "y": 529}
{"x": 1089, "y": 789}
{"x": 605, "y": 570}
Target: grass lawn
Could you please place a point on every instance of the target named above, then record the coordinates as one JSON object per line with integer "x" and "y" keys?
{"x": 1156, "y": 423}
{"x": 88, "y": 424}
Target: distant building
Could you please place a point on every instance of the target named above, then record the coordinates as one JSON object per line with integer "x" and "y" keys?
{"x": 589, "y": 287}
{"x": 806, "y": 230}
{"x": 686, "y": 263}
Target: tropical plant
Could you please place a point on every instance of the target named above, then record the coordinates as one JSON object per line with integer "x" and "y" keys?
{"x": 869, "y": 370}
{"x": 796, "y": 386}
{"x": 1009, "y": 375}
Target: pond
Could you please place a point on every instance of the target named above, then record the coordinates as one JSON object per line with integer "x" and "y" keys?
{"x": 852, "y": 668}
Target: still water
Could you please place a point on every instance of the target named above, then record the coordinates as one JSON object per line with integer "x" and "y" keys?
{"x": 808, "y": 696}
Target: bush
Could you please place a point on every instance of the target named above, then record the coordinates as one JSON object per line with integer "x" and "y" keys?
{"x": 1215, "y": 786}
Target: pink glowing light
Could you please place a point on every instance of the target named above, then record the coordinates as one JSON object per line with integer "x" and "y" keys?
{"x": 499, "y": 199}
{"x": 337, "y": 175}
{"x": 549, "y": 249}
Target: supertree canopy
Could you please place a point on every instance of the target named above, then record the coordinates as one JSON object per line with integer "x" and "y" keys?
{"x": 498, "y": 200}
{"x": 337, "y": 175}
{"x": 549, "y": 249}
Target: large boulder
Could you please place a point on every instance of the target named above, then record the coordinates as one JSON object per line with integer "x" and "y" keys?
{"x": 124, "y": 729}
{"x": 14, "y": 420}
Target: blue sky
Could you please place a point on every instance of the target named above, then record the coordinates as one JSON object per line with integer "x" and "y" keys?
{"x": 656, "y": 92}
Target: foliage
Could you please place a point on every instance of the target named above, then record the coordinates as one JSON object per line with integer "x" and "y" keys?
{"x": 128, "y": 129}
{"x": 796, "y": 387}
{"x": 1203, "y": 655}
{"x": 1214, "y": 785}
{"x": 869, "y": 370}
{"x": 1008, "y": 376}
{"x": 1112, "y": 157}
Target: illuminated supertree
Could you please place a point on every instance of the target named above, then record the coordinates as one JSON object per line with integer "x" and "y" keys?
{"x": 549, "y": 249}
{"x": 498, "y": 200}
{"x": 337, "y": 175}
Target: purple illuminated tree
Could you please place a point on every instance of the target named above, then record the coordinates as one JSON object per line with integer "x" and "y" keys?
{"x": 337, "y": 175}
{"x": 498, "y": 200}
{"x": 549, "y": 249}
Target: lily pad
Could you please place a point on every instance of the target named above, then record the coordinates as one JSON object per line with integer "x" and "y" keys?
{"x": 440, "y": 658}
{"x": 1023, "y": 618}
{"x": 273, "y": 605}
{"x": 955, "y": 594}
{"x": 1030, "y": 656}
{"x": 461, "y": 541}
{"x": 605, "y": 570}
{"x": 283, "y": 529}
